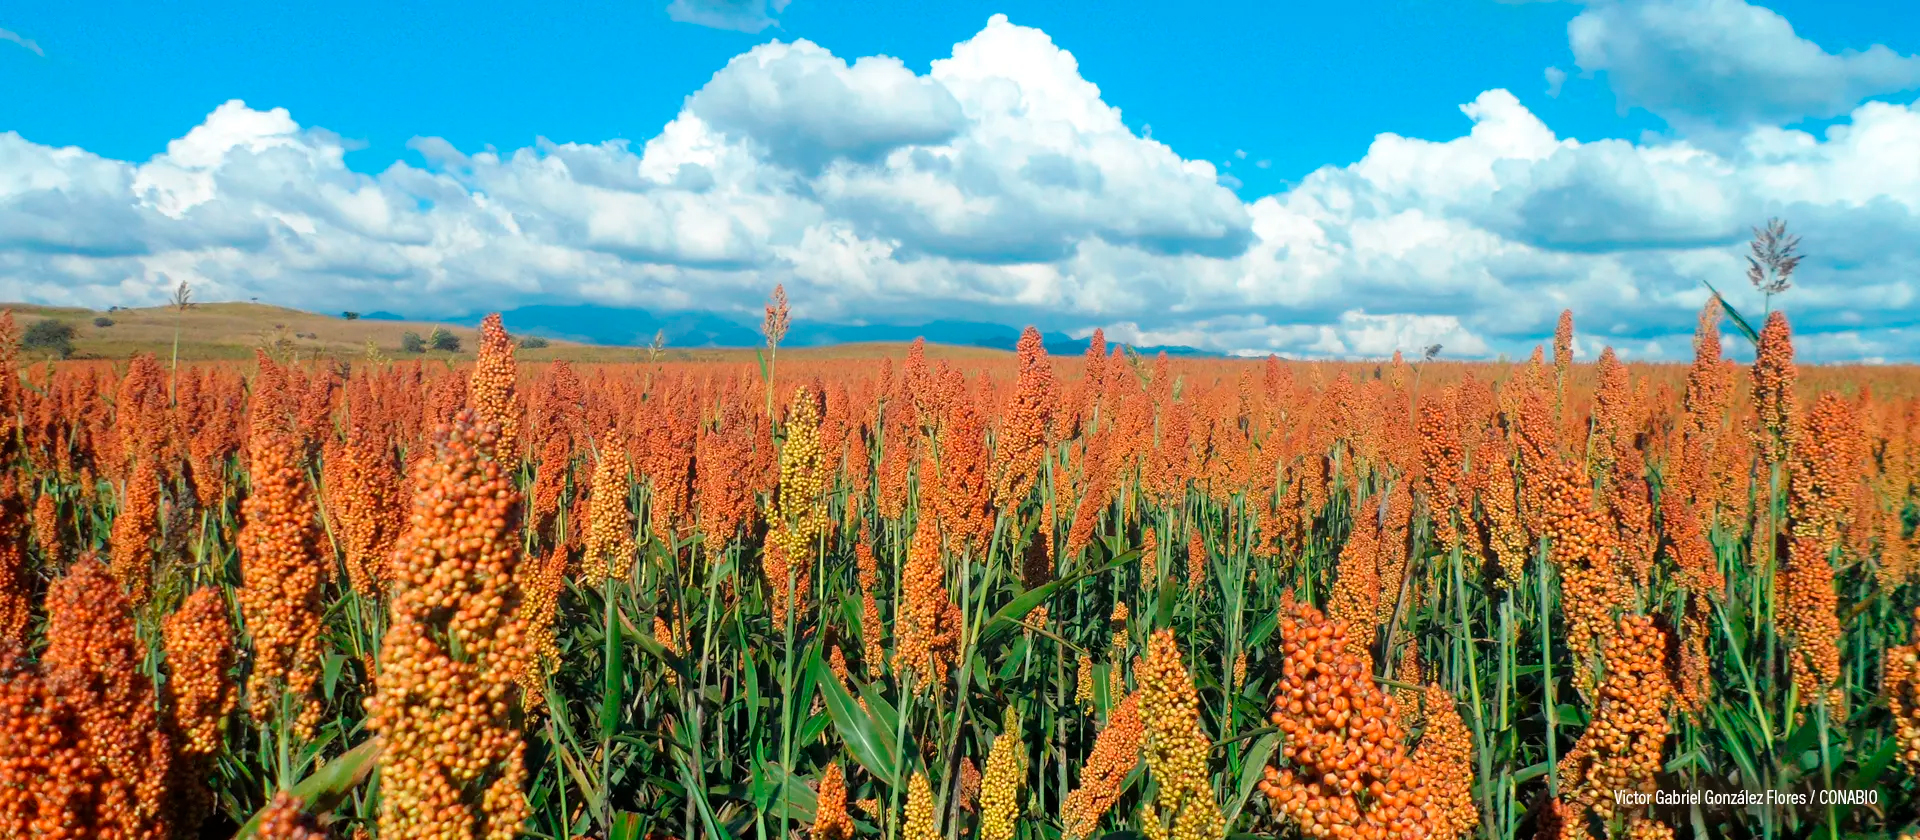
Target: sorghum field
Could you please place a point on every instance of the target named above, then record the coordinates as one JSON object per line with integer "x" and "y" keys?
{"x": 1022, "y": 597}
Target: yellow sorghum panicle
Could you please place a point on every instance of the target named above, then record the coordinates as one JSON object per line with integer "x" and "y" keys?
{"x": 1083, "y": 691}
{"x": 1175, "y": 746}
{"x": 1240, "y": 670}
{"x": 199, "y": 646}
{"x": 800, "y": 515}
{"x": 1773, "y": 379}
{"x": 92, "y": 662}
{"x": 1000, "y": 787}
{"x": 919, "y": 824}
{"x": 1445, "y": 762}
{"x": 1196, "y": 564}
{"x": 491, "y": 389}
{"x": 871, "y": 649}
{"x": 1563, "y": 346}
{"x": 1812, "y": 620}
{"x": 286, "y": 818}
{"x": 1621, "y": 749}
{"x": 1116, "y": 751}
{"x": 1408, "y": 699}
{"x": 540, "y": 590}
{"x": 610, "y": 545}
{"x": 664, "y": 634}
{"x": 1649, "y": 829}
{"x": 1903, "y": 699}
{"x": 830, "y": 821}
{"x": 1506, "y": 537}
{"x": 1150, "y": 560}
{"x": 1343, "y": 741}
{"x": 282, "y": 583}
{"x": 451, "y": 761}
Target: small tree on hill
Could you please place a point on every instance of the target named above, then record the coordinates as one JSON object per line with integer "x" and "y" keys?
{"x": 351, "y": 316}
{"x": 411, "y": 342}
{"x": 53, "y": 338}
{"x": 443, "y": 341}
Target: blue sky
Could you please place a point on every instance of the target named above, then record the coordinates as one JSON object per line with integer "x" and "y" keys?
{"x": 389, "y": 107}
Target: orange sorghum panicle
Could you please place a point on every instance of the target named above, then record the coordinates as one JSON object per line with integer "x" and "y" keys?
{"x": 283, "y": 577}
{"x": 199, "y": 646}
{"x": 1903, "y": 699}
{"x": 46, "y": 527}
{"x": 961, "y": 501}
{"x": 364, "y": 492}
{"x": 135, "y": 526}
{"x": 969, "y": 786}
{"x": 1582, "y": 551}
{"x": 1022, "y": 439}
{"x": 1621, "y": 748}
{"x": 1175, "y": 745}
{"x": 1811, "y": 619}
{"x": 16, "y": 581}
{"x": 1828, "y": 463}
{"x": 451, "y": 764}
{"x": 1342, "y": 741}
{"x": 1357, "y": 587}
{"x": 830, "y": 821}
{"x": 1116, "y": 751}
{"x": 286, "y": 818}
{"x": 1773, "y": 379}
{"x": 610, "y": 545}
{"x": 925, "y": 627}
{"x": 1445, "y": 762}
{"x": 92, "y": 661}
{"x": 491, "y": 390}
{"x": 55, "y": 791}
{"x": 1442, "y": 457}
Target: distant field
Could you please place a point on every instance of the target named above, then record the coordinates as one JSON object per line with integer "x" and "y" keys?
{"x": 215, "y": 331}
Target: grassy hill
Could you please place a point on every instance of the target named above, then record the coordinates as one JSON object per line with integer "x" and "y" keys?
{"x": 214, "y": 331}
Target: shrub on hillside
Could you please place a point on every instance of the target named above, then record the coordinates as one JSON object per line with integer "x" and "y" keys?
{"x": 53, "y": 338}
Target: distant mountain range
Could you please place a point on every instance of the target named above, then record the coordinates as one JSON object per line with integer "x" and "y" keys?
{"x": 637, "y": 327}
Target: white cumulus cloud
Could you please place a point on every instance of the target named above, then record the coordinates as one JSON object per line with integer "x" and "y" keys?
{"x": 998, "y": 186}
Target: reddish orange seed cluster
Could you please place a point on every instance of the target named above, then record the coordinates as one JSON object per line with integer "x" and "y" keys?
{"x": 1902, "y": 688}
{"x": 1116, "y": 751}
{"x": 200, "y": 657}
{"x": 1345, "y": 770}
{"x": 1621, "y": 748}
{"x": 286, "y": 818}
{"x": 1445, "y": 761}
